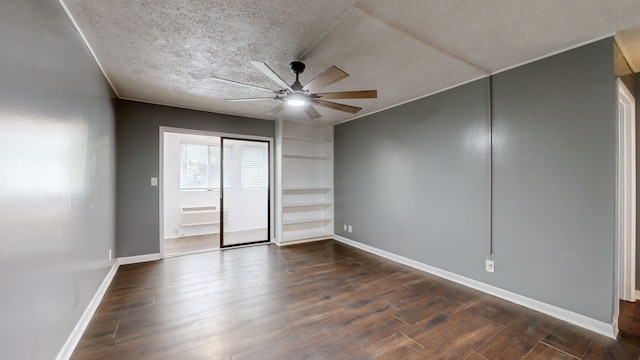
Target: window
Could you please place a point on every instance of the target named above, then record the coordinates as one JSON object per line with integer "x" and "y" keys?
{"x": 200, "y": 168}
{"x": 254, "y": 172}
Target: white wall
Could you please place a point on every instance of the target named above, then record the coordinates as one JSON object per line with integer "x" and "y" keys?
{"x": 247, "y": 209}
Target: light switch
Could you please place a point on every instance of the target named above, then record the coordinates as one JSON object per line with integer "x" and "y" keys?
{"x": 154, "y": 181}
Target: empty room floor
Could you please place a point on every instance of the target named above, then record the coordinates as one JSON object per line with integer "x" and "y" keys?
{"x": 322, "y": 300}
{"x": 198, "y": 243}
{"x": 187, "y": 244}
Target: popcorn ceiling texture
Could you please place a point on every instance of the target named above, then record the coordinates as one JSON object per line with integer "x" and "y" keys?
{"x": 166, "y": 51}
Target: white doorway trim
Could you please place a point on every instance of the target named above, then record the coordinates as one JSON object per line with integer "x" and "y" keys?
{"x": 164, "y": 129}
{"x": 626, "y": 193}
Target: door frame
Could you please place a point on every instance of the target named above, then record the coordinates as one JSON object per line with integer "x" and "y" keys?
{"x": 625, "y": 210}
{"x": 164, "y": 129}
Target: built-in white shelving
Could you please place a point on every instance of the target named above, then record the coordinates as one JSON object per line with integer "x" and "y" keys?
{"x": 292, "y": 237}
{"x": 304, "y": 198}
{"x": 304, "y": 221}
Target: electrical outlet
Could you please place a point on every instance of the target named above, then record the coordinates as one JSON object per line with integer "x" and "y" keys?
{"x": 154, "y": 181}
{"x": 345, "y": 227}
{"x": 350, "y": 229}
{"x": 489, "y": 266}
{"x": 110, "y": 254}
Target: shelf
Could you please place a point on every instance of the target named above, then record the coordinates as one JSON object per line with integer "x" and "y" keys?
{"x": 305, "y": 221}
{"x": 305, "y": 189}
{"x": 308, "y": 235}
{"x": 296, "y": 138}
{"x": 306, "y": 204}
{"x": 291, "y": 156}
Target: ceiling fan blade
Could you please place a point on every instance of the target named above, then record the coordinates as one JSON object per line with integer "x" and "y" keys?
{"x": 276, "y": 109}
{"x": 241, "y": 84}
{"x": 252, "y": 99}
{"x": 328, "y": 77}
{"x": 361, "y": 94}
{"x": 336, "y": 106}
{"x": 312, "y": 112}
{"x": 265, "y": 69}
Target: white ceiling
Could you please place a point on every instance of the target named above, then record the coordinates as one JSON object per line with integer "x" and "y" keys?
{"x": 165, "y": 52}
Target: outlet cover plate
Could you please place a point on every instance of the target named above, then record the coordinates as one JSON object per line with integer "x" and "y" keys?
{"x": 489, "y": 265}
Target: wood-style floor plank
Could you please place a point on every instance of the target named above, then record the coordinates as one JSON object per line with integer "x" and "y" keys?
{"x": 321, "y": 300}
{"x": 545, "y": 352}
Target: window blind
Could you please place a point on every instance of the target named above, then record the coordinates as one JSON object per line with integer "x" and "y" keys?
{"x": 253, "y": 170}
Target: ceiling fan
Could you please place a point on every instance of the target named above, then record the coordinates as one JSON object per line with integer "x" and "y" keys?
{"x": 304, "y": 96}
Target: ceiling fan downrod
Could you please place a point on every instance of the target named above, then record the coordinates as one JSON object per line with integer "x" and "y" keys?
{"x": 298, "y": 68}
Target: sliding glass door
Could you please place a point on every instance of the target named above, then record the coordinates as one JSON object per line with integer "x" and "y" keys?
{"x": 245, "y": 192}
{"x": 204, "y": 173}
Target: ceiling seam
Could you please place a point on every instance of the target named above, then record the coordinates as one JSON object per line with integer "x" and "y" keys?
{"x": 419, "y": 41}
{"x": 193, "y": 108}
{"x": 309, "y": 49}
{"x": 86, "y": 44}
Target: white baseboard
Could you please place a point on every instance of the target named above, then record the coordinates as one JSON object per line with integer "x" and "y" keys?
{"x": 588, "y": 323}
{"x": 138, "y": 259}
{"x": 73, "y": 339}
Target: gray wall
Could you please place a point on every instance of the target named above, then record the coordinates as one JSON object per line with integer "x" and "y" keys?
{"x": 57, "y": 166}
{"x": 554, "y": 180}
{"x": 413, "y": 180}
{"x": 138, "y": 126}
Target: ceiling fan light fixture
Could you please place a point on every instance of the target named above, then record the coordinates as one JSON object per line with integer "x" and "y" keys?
{"x": 305, "y": 97}
{"x": 296, "y": 100}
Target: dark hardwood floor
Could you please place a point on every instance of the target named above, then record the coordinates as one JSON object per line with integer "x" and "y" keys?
{"x": 629, "y": 320}
{"x": 322, "y": 300}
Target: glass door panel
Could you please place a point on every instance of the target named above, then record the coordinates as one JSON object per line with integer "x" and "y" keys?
{"x": 191, "y": 192}
{"x": 245, "y": 192}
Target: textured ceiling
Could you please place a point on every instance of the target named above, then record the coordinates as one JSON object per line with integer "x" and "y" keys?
{"x": 166, "y": 52}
